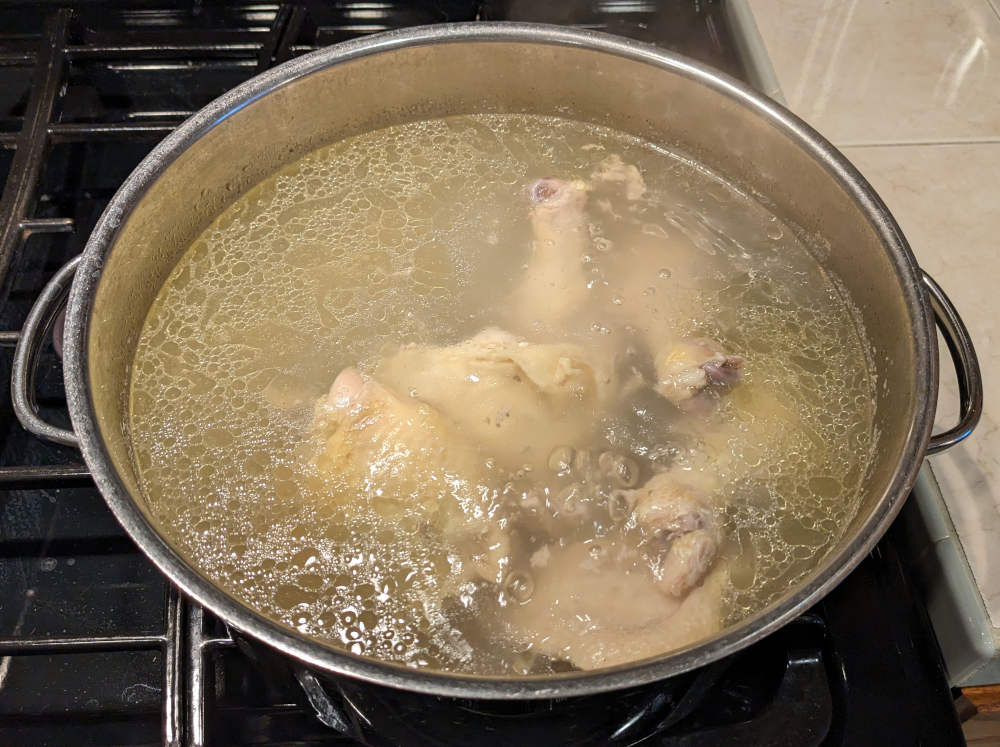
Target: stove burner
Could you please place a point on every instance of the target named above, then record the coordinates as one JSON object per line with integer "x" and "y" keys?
{"x": 96, "y": 647}
{"x": 744, "y": 699}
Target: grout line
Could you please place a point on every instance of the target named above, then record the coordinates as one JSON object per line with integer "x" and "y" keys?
{"x": 994, "y": 7}
{"x": 743, "y": 13}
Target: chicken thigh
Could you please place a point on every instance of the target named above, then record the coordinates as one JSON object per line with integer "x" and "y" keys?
{"x": 518, "y": 401}
{"x": 406, "y": 460}
{"x": 630, "y": 595}
{"x": 597, "y": 605}
{"x": 658, "y": 280}
{"x": 474, "y": 415}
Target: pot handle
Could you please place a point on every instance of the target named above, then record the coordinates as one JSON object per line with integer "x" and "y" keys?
{"x": 29, "y": 345}
{"x": 963, "y": 355}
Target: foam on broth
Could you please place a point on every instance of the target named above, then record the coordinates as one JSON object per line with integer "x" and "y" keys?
{"x": 417, "y": 233}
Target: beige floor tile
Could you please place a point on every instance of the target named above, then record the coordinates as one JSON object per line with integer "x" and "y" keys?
{"x": 882, "y": 71}
{"x": 945, "y": 199}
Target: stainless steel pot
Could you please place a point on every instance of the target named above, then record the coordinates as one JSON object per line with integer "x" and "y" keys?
{"x": 283, "y": 114}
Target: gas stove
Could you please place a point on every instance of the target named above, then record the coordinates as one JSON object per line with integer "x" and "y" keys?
{"x": 96, "y": 647}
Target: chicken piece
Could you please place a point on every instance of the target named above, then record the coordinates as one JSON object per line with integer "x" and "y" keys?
{"x": 681, "y": 537}
{"x": 614, "y": 170}
{"x": 388, "y": 446}
{"x": 609, "y": 602}
{"x": 596, "y": 605}
{"x": 659, "y": 278}
{"x": 555, "y": 283}
{"x": 517, "y": 400}
{"x": 690, "y": 368}
{"x": 407, "y": 460}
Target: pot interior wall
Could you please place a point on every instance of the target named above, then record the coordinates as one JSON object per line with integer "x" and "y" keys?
{"x": 665, "y": 106}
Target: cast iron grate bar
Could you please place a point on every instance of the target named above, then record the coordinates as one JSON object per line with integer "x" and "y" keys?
{"x": 101, "y": 644}
{"x": 148, "y": 131}
{"x": 284, "y": 31}
{"x": 173, "y": 658}
{"x": 125, "y": 50}
{"x": 200, "y": 646}
{"x": 75, "y": 132}
{"x": 35, "y": 477}
{"x": 47, "y": 225}
{"x": 31, "y": 145}
{"x": 170, "y": 644}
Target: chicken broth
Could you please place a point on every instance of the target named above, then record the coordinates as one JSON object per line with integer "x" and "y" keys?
{"x": 501, "y": 394}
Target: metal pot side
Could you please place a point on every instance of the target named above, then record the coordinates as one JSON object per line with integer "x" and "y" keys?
{"x": 279, "y": 116}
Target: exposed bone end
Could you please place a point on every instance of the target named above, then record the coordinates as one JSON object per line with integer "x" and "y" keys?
{"x": 552, "y": 192}
{"x": 724, "y": 370}
{"x": 346, "y": 388}
{"x": 694, "y": 366}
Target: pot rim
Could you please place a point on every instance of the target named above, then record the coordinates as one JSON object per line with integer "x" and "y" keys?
{"x": 336, "y": 661}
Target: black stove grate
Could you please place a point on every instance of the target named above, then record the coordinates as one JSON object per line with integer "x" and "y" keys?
{"x": 95, "y": 646}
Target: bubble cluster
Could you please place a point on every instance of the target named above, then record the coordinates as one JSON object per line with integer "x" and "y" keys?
{"x": 417, "y": 233}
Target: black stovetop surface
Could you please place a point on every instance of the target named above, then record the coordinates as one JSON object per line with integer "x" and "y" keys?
{"x": 96, "y": 647}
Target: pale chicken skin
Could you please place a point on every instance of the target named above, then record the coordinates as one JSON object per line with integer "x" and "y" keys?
{"x": 499, "y": 407}
{"x": 595, "y": 605}
{"x": 650, "y": 589}
{"x": 517, "y": 400}
{"x": 614, "y": 170}
{"x": 556, "y": 286}
{"x": 407, "y": 460}
{"x": 693, "y": 367}
{"x": 681, "y": 536}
